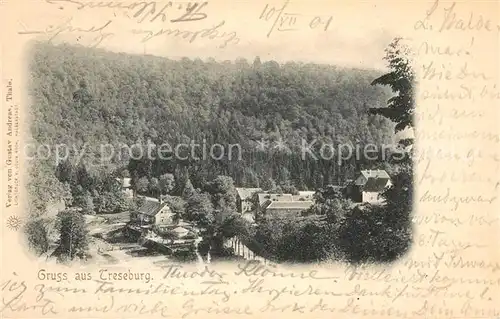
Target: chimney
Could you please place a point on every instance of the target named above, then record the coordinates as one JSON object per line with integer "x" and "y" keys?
{"x": 159, "y": 198}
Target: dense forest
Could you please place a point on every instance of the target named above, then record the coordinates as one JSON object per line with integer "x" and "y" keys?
{"x": 84, "y": 98}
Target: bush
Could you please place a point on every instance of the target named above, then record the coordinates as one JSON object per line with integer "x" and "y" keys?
{"x": 185, "y": 255}
{"x": 190, "y": 236}
{"x": 364, "y": 234}
{"x": 294, "y": 239}
{"x": 371, "y": 235}
{"x": 226, "y": 252}
{"x": 204, "y": 247}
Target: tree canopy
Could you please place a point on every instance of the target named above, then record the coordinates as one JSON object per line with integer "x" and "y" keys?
{"x": 128, "y": 99}
{"x": 400, "y": 107}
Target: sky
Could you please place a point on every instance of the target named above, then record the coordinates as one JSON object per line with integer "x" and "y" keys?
{"x": 345, "y": 34}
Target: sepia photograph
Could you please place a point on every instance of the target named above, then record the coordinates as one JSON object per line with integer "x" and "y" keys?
{"x": 205, "y": 160}
{"x": 256, "y": 159}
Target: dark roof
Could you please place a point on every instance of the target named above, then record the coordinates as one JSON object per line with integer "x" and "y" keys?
{"x": 375, "y": 184}
{"x": 151, "y": 207}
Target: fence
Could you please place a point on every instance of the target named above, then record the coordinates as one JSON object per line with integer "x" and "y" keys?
{"x": 242, "y": 250}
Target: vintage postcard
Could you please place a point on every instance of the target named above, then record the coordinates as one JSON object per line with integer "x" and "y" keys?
{"x": 250, "y": 159}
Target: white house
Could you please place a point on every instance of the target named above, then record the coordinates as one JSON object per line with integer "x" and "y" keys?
{"x": 152, "y": 212}
{"x": 370, "y": 184}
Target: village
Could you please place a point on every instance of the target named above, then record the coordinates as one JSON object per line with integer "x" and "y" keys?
{"x": 155, "y": 226}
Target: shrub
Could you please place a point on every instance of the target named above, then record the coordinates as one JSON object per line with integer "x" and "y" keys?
{"x": 37, "y": 233}
{"x": 73, "y": 234}
{"x": 371, "y": 235}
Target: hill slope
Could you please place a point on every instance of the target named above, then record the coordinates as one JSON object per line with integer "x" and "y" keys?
{"x": 88, "y": 97}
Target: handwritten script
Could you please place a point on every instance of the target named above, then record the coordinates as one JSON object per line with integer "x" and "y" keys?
{"x": 176, "y": 20}
{"x": 283, "y": 20}
{"x": 265, "y": 289}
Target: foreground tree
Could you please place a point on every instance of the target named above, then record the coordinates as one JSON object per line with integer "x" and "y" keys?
{"x": 214, "y": 211}
{"x": 65, "y": 172}
{"x": 88, "y": 204}
{"x": 45, "y": 189}
{"x": 400, "y": 108}
{"x": 83, "y": 199}
{"x": 331, "y": 203}
{"x": 399, "y": 196}
{"x": 373, "y": 234}
{"x": 188, "y": 190}
{"x": 177, "y": 205}
{"x": 38, "y": 238}
{"x": 154, "y": 187}
{"x": 141, "y": 185}
{"x": 293, "y": 238}
{"x": 223, "y": 193}
{"x": 384, "y": 233}
{"x": 200, "y": 210}
{"x": 73, "y": 234}
{"x": 167, "y": 183}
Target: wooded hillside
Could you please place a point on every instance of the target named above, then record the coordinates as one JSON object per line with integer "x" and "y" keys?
{"x": 88, "y": 96}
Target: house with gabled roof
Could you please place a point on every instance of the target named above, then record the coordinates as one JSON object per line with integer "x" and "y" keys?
{"x": 368, "y": 186}
{"x": 284, "y": 203}
{"x": 151, "y": 212}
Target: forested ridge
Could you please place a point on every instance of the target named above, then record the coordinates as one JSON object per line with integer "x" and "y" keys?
{"x": 85, "y": 98}
{"x": 90, "y": 96}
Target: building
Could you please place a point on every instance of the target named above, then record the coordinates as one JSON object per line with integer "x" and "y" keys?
{"x": 368, "y": 186}
{"x": 264, "y": 199}
{"x": 151, "y": 212}
{"x": 288, "y": 207}
{"x": 271, "y": 203}
{"x": 244, "y": 199}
